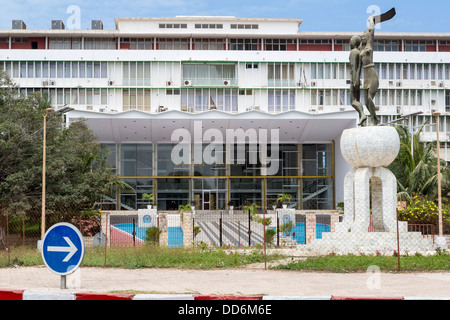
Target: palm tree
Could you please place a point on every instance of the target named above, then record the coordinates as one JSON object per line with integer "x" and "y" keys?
{"x": 416, "y": 169}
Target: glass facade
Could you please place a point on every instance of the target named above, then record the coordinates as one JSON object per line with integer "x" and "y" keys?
{"x": 305, "y": 171}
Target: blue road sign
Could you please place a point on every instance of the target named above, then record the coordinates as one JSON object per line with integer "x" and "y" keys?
{"x": 63, "y": 248}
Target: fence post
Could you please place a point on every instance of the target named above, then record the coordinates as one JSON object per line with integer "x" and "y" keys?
{"x": 193, "y": 231}
{"x": 220, "y": 231}
{"x": 106, "y": 234}
{"x": 249, "y": 230}
{"x": 264, "y": 231}
{"x": 23, "y": 230}
{"x": 134, "y": 233}
{"x": 7, "y": 237}
{"x": 398, "y": 243}
{"x": 278, "y": 230}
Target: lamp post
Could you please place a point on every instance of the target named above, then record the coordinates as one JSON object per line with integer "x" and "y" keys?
{"x": 44, "y": 158}
{"x": 441, "y": 232}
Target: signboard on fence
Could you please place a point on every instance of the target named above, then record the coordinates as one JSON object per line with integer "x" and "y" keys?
{"x": 147, "y": 218}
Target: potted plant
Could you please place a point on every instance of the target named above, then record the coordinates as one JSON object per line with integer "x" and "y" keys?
{"x": 253, "y": 210}
{"x": 284, "y": 198}
{"x": 150, "y": 198}
{"x": 273, "y": 204}
{"x": 286, "y": 227}
{"x": 184, "y": 208}
{"x": 231, "y": 205}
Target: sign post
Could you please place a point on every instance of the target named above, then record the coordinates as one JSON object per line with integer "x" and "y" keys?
{"x": 63, "y": 249}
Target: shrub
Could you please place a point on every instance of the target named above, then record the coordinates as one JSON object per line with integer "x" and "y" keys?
{"x": 152, "y": 234}
{"x": 422, "y": 211}
{"x": 287, "y": 227}
{"x": 270, "y": 236}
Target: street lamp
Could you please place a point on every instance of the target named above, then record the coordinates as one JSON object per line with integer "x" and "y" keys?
{"x": 44, "y": 156}
{"x": 441, "y": 232}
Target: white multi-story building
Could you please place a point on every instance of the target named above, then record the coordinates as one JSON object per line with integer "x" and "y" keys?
{"x": 140, "y": 82}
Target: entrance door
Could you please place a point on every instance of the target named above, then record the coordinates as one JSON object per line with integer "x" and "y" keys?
{"x": 207, "y": 200}
{"x": 210, "y": 200}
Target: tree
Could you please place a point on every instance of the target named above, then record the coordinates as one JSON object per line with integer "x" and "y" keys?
{"x": 416, "y": 169}
{"x": 76, "y": 163}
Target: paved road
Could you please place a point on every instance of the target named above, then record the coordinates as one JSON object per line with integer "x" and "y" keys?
{"x": 245, "y": 281}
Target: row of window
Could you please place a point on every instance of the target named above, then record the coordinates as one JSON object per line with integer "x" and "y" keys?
{"x": 133, "y": 160}
{"x": 55, "y": 69}
{"x": 385, "y": 71}
{"x": 215, "y": 193}
{"x": 280, "y": 74}
{"x": 198, "y": 100}
{"x": 385, "y": 97}
{"x": 78, "y": 43}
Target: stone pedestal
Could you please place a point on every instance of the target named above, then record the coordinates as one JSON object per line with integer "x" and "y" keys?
{"x": 370, "y": 190}
{"x": 370, "y": 150}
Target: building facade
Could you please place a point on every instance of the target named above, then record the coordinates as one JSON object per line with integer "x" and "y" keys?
{"x": 136, "y": 85}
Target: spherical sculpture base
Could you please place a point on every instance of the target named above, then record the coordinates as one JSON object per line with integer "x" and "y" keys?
{"x": 371, "y": 147}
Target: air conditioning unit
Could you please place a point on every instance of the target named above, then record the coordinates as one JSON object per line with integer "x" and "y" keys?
{"x": 433, "y": 83}
{"x": 47, "y": 83}
{"x": 226, "y": 82}
{"x": 169, "y": 83}
{"x": 58, "y": 25}
{"x": 188, "y": 82}
{"x": 97, "y": 25}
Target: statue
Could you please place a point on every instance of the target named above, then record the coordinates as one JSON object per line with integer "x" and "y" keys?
{"x": 355, "y": 82}
{"x": 365, "y": 61}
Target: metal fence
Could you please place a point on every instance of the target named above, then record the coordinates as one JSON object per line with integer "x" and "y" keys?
{"x": 294, "y": 232}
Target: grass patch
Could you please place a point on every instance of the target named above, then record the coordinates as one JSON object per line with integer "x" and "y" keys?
{"x": 355, "y": 263}
{"x": 20, "y": 257}
{"x": 158, "y": 257}
{"x": 146, "y": 257}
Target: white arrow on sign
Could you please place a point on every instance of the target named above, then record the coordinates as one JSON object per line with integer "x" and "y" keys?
{"x": 71, "y": 249}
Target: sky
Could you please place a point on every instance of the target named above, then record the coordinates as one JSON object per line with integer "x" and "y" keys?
{"x": 317, "y": 15}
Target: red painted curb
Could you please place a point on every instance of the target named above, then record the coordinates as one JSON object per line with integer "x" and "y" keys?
{"x": 106, "y": 296}
{"x": 11, "y": 294}
{"x": 366, "y": 298}
{"x": 205, "y": 297}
